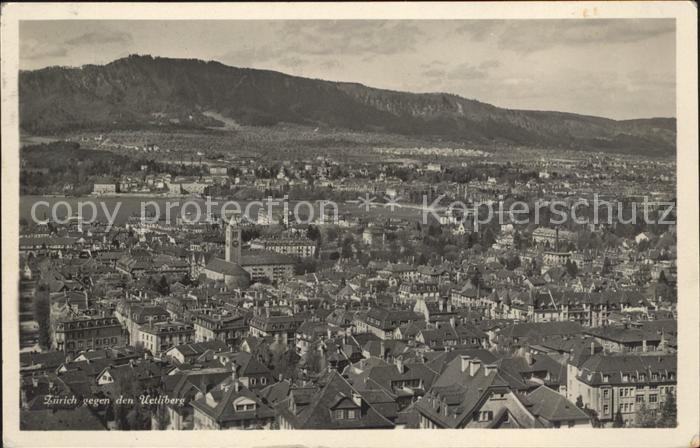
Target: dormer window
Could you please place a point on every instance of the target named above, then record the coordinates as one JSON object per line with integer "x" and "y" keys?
{"x": 244, "y": 404}
{"x": 625, "y": 377}
{"x": 483, "y": 416}
{"x": 345, "y": 414}
{"x": 245, "y": 407}
{"x": 606, "y": 378}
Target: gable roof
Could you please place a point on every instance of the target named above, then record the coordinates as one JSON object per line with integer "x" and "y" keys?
{"x": 553, "y": 406}
{"x": 317, "y": 414}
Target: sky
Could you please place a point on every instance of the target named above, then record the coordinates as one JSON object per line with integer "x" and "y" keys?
{"x": 621, "y": 68}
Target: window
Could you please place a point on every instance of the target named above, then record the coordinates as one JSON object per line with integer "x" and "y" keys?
{"x": 653, "y": 398}
{"x": 485, "y": 416}
{"x": 606, "y": 409}
{"x": 640, "y": 399}
{"x": 606, "y": 393}
{"x": 346, "y": 414}
{"x": 263, "y": 380}
{"x": 252, "y": 381}
{"x": 625, "y": 377}
{"x": 655, "y": 376}
{"x": 606, "y": 378}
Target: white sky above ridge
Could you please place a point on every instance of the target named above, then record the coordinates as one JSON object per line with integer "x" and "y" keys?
{"x": 613, "y": 68}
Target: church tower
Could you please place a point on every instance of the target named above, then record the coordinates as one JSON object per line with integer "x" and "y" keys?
{"x": 233, "y": 241}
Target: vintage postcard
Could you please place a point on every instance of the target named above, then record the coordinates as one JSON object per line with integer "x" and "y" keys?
{"x": 350, "y": 224}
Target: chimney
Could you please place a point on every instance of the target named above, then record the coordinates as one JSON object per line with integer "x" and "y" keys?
{"x": 465, "y": 361}
{"x": 490, "y": 368}
{"x": 592, "y": 348}
{"x": 529, "y": 358}
{"x": 474, "y": 366}
{"x": 381, "y": 349}
{"x": 399, "y": 364}
{"x": 234, "y": 376}
{"x": 357, "y": 398}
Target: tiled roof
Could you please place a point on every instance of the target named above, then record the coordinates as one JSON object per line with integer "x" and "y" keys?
{"x": 553, "y": 406}
{"x": 317, "y": 414}
{"x": 614, "y": 366}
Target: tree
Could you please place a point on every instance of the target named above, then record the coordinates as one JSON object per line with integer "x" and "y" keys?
{"x": 662, "y": 278}
{"x": 161, "y": 417}
{"x": 645, "y": 417}
{"x": 314, "y": 360}
{"x": 139, "y": 418}
{"x": 618, "y": 422}
{"x": 669, "y": 412}
{"x": 313, "y": 233}
{"x": 163, "y": 286}
{"x": 346, "y": 250}
{"x": 285, "y": 364}
{"x": 120, "y": 411}
{"x": 593, "y": 416}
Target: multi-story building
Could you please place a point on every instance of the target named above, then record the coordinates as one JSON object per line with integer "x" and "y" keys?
{"x": 298, "y": 247}
{"x": 471, "y": 394}
{"x": 134, "y": 315}
{"x": 215, "y": 326}
{"x": 162, "y": 336}
{"x": 402, "y": 271}
{"x": 553, "y": 237}
{"x": 411, "y": 292}
{"x": 229, "y": 405}
{"x": 85, "y": 333}
{"x": 268, "y": 265}
{"x": 383, "y": 322}
{"x": 374, "y": 235}
{"x": 280, "y": 327}
{"x": 608, "y": 383}
{"x": 105, "y": 186}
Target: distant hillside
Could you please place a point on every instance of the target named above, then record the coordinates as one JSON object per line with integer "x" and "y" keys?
{"x": 138, "y": 90}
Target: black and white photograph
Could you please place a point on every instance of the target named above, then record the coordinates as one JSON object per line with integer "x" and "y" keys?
{"x": 323, "y": 222}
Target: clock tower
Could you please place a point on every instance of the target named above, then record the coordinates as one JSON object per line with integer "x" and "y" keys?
{"x": 233, "y": 241}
